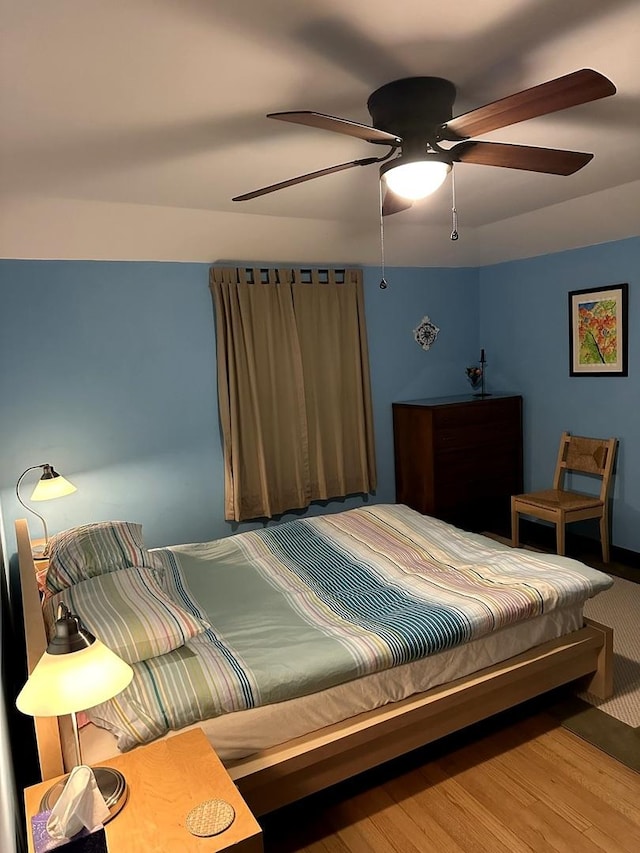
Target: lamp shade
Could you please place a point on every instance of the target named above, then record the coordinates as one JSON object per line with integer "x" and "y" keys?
{"x": 51, "y": 485}
{"x": 64, "y": 684}
{"x": 415, "y": 179}
{"x": 75, "y": 673}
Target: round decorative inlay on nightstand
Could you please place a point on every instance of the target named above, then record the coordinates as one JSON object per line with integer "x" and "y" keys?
{"x": 210, "y": 818}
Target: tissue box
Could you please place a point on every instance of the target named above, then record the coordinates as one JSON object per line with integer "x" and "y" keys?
{"x": 83, "y": 842}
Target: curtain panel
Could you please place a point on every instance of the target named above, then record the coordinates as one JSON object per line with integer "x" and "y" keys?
{"x": 294, "y": 388}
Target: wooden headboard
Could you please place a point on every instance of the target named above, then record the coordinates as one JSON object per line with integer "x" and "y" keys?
{"x": 48, "y": 737}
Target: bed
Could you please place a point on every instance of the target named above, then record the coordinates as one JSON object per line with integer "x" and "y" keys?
{"x": 393, "y": 630}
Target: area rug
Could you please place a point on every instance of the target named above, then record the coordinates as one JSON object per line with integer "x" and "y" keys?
{"x": 612, "y": 725}
{"x": 619, "y": 607}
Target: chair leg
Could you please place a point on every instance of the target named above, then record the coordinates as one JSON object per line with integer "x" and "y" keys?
{"x": 514, "y": 525}
{"x": 604, "y": 536}
{"x": 560, "y": 528}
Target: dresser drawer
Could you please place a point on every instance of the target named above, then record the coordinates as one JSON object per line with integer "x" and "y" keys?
{"x": 476, "y": 438}
{"x": 487, "y": 474}
{"x": 480, "y": 412}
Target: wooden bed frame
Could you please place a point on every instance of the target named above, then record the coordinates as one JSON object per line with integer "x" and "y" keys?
{"x": 285, "y": 773}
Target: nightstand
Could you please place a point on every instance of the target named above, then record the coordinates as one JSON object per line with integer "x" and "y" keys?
{"x": 41, "y": 563}
{"x": 166, "y": 780}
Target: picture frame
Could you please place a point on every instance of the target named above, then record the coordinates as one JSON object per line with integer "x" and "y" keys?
{"x": 598, "y": 331}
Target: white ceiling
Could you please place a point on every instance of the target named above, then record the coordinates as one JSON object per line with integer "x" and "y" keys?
{"x": 128, "y": 125}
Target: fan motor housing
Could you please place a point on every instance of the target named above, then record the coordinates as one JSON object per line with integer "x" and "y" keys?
{"x": 413, "y": 108}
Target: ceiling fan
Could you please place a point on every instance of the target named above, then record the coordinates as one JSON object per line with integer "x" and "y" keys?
{"x": 414, "y": 116}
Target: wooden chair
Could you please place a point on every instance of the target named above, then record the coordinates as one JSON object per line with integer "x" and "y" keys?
{"x": 594, "y": 456}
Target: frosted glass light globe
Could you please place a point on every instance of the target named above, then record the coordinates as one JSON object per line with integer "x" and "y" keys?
{"x": 417, "y": 179}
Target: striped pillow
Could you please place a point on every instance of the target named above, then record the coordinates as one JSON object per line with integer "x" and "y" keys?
{"x": 94, "y": 549}
{"x": 129, "y": 612}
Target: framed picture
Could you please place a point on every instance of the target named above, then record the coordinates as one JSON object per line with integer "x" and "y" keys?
{"x": 598, "y": 331}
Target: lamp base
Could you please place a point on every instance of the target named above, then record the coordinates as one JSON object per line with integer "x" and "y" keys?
{"x": 111, "y": 783}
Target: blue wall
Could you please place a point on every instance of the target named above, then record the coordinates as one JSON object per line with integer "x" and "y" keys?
{"x": 524, "y": 327}
{"x": 108, "y": 372}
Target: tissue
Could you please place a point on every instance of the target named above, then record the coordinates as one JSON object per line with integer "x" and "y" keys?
{"x": 80, "y": 808}
{"x": 80, "y": 805}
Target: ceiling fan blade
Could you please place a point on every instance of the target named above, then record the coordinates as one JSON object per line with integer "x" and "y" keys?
{"x": 338, "y": 125}
{"x": 553, "y": 161}
{"x": 308, "y": 177}
{"x": 393, "y": 203}
{"x": 579, "y": 87}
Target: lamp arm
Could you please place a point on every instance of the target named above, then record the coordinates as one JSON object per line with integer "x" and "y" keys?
{"x": 20, "y": 479}
{"x": 76, "y": 737}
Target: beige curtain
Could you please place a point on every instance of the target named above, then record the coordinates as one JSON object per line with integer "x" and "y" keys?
{"x": 293, "y": 388}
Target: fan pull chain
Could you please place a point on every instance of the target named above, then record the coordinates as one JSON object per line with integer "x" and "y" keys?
{"x": 454, "y": 212}
{"x": 383, "y": 281}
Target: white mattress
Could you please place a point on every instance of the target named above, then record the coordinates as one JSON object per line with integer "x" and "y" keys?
{"x": 244, "y": 733}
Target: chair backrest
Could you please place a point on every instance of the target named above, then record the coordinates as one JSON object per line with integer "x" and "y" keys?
{"x": 587, "y": 456}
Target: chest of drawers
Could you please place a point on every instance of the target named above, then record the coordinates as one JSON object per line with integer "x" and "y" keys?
{"x": 459, "y": 458}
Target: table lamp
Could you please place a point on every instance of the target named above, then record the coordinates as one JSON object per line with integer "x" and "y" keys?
{"x": 76, "y": 672}
{"x": 50, "y": 485}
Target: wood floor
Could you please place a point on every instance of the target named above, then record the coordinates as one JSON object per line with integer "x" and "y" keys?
{"x": 518, "y": 782}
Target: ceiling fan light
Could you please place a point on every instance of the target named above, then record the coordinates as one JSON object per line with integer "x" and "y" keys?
{"x": 416, "y": 179}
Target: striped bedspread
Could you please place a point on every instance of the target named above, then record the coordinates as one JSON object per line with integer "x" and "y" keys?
{"x": 304, "y": 605}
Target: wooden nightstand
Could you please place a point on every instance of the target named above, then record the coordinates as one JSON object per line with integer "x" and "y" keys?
{"x": 166, "y": 780}
{"x": 41, "y": 563}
